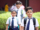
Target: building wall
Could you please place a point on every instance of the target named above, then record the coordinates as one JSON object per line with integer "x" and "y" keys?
{"x": 35, "y": 4}
{"x": 10, "y": 2}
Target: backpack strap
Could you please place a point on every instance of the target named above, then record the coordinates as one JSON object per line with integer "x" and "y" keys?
{"x": 21, "y": 14}
{"x": 25, "y": 19}
{"x": 9, "y": 24}
{"x": 17, "y": 22}
{"x": 34, "y": 22}
{"x": 21, "y": 11}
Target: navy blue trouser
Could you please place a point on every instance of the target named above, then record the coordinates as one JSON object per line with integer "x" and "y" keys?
{"x": 13, "y": 28}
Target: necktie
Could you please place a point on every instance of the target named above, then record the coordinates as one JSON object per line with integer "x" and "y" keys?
{"x": 12, "y": 23}
{"x": 28, "y": 25}
{"x": 17, "y": 11}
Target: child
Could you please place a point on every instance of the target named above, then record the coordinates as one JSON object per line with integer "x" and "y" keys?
{"x": 29, "y": 23}
{"x": 13, "y": 22}
{"x": 6, "y": 7}
{"x": 20, "y": 11}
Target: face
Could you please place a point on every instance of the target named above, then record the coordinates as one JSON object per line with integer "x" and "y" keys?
{"x": 18, "y": 5}
{"x": 13, "y": 14}
{"x": 29, "y": 13}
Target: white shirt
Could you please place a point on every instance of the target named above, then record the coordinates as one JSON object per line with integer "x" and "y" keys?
{"x": 19, "y": 12}
{"x": 13, "y": 7}
{"x": 31, "y": 26}
{"x": 15, "y": 21}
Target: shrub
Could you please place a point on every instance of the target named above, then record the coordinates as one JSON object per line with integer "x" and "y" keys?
{"x": 3, "y": 17}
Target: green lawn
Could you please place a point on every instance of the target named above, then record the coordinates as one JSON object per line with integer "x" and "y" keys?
{"x": 5, "y": 15}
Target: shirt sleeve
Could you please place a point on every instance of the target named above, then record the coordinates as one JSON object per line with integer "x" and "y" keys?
{"x": 7, "y": 22}
{"x": 24, "y": 13}
{"x": 36, "y": 23}
{"x": 22, "y": 24}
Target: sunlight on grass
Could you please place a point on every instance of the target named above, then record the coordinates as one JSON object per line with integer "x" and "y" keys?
{"x": 5, "y": 15}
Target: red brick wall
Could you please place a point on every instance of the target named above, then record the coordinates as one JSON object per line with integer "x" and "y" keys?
{"x": 35, "y": 4}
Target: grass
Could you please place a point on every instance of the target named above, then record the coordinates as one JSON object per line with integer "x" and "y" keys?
{"x": 5, "y": 15}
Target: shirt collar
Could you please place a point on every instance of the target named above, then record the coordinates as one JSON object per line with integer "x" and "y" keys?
{"x": 29, "y": 18}
{"x": 19, "y": 8}
{"x": 14, "y": 17}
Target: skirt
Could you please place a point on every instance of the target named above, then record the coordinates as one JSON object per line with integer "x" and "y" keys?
{"x": 16, "y": 28}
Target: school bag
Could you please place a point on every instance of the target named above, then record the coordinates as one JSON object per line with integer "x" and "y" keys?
{"x": 21, "y": 14}
{"x": 34, "y": 22}
{"x": 9, "y": 23}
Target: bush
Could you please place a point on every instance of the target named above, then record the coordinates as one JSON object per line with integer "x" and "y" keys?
{"x": 5, "y": 15}
{"x": 37, "y": 16}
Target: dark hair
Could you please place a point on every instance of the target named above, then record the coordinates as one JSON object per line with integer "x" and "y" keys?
{"x": 28, "y": 8}
{"x": 13, "y": 10}
{"x": 6, "y": 3}
{"x": 18, "y": 2}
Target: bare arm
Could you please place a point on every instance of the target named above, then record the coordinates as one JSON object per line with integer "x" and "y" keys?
{"x": 22, "y": 28}
{"x": 36, "y": 28}
{"x": 7, "y": 27}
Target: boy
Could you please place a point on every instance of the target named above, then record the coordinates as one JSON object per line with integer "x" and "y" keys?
{"x": 13, "y": 22}
{"x": 20, "y": 11}
{"x": 29, "y": 23}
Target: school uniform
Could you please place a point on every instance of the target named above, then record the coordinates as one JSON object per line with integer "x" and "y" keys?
{"x": 19, "y": 13}
{"x": 31, "y": 26}
{"x": 12, "y": 7}
{"x": 14, "y": 21}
